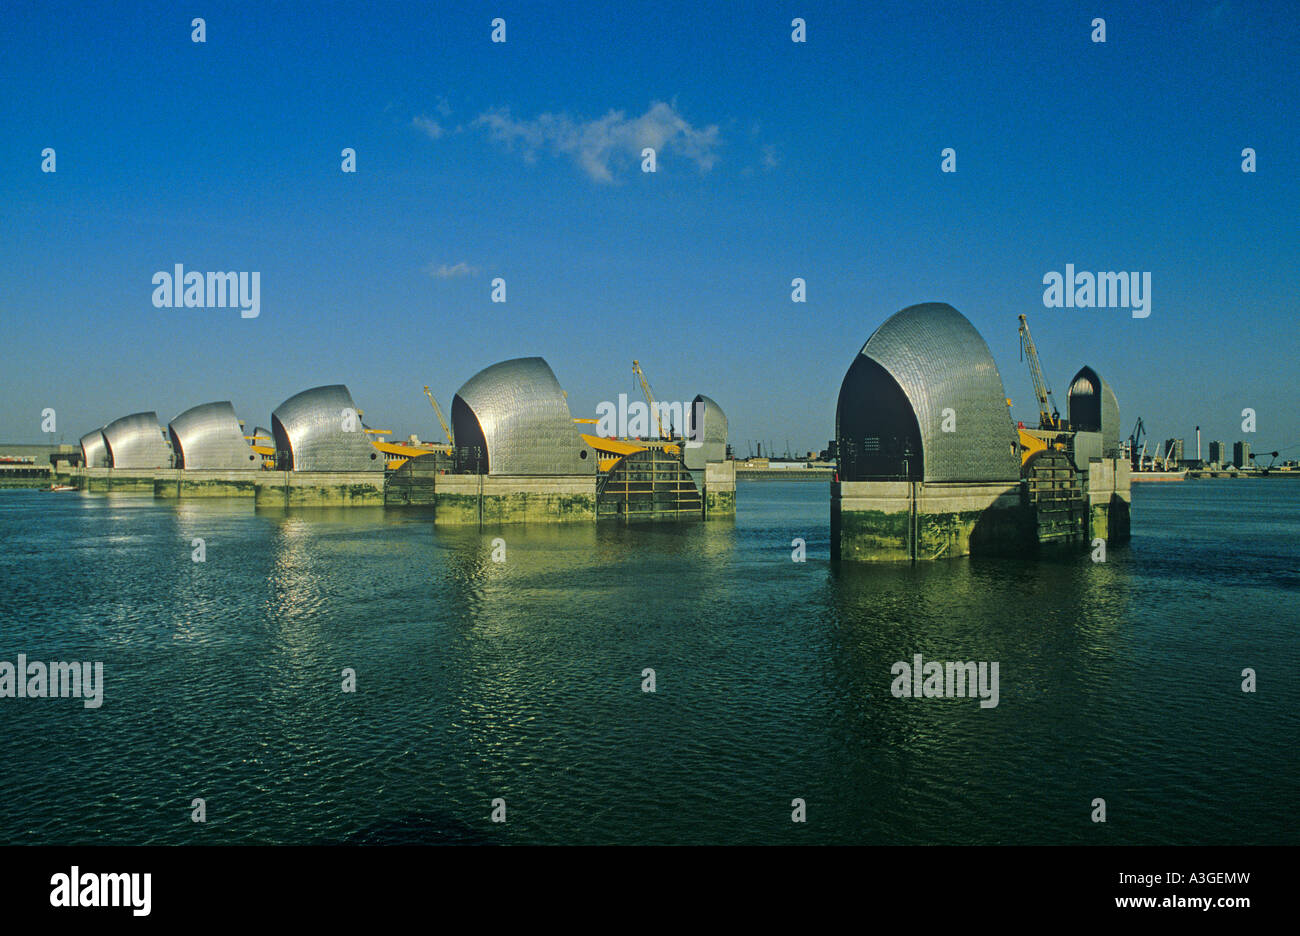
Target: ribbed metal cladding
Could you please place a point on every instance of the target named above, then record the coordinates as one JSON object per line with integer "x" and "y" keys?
{"x": 313, "y": 432}
{"x": 940, "y": 361}
{"x": 519, "y": 411}
{"x": 94, "y": 450}
{"x": 1092, "y": 407}
{"x": 136, "y": 441}
{"x": 209, "y": 436}
{"x": 711, "y": 432}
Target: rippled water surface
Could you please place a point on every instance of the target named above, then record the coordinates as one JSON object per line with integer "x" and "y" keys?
{"x": 522, "y": 679}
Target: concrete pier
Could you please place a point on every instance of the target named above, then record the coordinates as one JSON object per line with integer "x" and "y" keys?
{"x": 887, "y": 521}
{"x": 267, "y": 488}
{"x": 893, "y": 520}
{"x": 720, "y": 489}
{"x": 493, "y": 499}
{"x": 1110, "y": 499}
{"x": 457, "y": 499}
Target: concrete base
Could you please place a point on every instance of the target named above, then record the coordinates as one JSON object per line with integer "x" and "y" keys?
{"x": 267, "y": 488}
{"x": 104, "y": 480}
{"x": 493, "y": 499}
{"x": 719, "y": 489}
{"x": 897, "y": 520}
{"x": 319, "y": 489}
{"x": 903, "y": 520}
{"x": 456, "y": 499}
{"x": 1109, "y": 499}
{"x": 171, "y": 483}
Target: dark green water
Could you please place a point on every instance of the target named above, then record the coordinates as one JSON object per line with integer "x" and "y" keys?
{"x": 522, "y": 679}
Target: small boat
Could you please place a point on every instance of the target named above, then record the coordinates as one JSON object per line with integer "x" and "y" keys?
{"x": 60, "y": 488}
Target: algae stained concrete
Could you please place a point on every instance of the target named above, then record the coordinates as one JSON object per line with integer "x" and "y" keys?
{"x": 889, "y": 521}
{"x": 720, "y": 489}
{"x": 1109, "y": 499}
{"x": 499, "y": 499}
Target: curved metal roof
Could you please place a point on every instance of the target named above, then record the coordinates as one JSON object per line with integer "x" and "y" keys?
{"x": 136, "y": 441}
{"x": 319, "y": 430}
{"x": 209, "y": 436}
{"x": 711, "y": 433}
{"x": 521, "y": 415}
{"x": 1092, "y": 407}
{"x": 939, "y": 361}
{"x": 94, "y": 450}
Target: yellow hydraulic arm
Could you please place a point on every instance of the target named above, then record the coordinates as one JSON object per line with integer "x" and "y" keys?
{"x": 649, "y": 397}
{"x": 611, "y": 450}
{"x": 438, "y": 409}
{"x": 1049, "y": 417}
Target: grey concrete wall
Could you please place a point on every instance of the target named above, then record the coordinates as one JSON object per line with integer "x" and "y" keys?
{"x": 1109, "y": 499}
{"x": 719, "y": 489}
{"x": 268, "y": 488}
{"x": 875, "y": 521}
{"x": 492, "y": 499}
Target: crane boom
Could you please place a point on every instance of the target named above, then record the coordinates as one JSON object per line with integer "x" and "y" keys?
{"x": 437, "y": 409}
{"x": 649, "y": 397}
{"x": 1049, "y": 417}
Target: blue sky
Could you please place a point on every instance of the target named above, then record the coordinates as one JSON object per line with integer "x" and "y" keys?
{"x": 476, "y": 160}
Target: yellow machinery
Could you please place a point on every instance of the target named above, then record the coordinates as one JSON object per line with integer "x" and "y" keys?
{"x": 612, "y": 450}
{"x": 649, "y": 397}
{"x": 403, "y": 453}
{"x": 451, "y": 440}
{"x": 1049, "y": 417}
{"x": 264, "y": 446}
{"x": 395, "y": 454}
{"x": 1029, "y": 445}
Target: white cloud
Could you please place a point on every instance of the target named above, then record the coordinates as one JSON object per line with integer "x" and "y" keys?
{"x": 603, "y": 145}
{"x": 429, "y": 126}
{"x": 442, "y": 271}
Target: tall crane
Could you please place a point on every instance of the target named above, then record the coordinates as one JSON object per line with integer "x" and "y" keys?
{"x": 451, "y": 440}
{"x": 1049, "y": 417}
{"x": 649, "y": 397}
{"x": 1137, "y": 455}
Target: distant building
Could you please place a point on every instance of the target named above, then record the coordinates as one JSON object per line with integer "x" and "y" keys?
{"x": 1218, "y": 454}
{"x": 1174, "y": 449}
{"x": 1241, "y": 454}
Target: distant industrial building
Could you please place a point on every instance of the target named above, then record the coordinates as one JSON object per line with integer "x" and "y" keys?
{"x": 23, "y": 465}
{"x": 1218, "y": 455}
{"x": 1241, "y": 454}
{"x": 1173, "y": 451}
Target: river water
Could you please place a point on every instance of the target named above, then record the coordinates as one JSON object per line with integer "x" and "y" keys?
{"x": 522, "y": 680}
